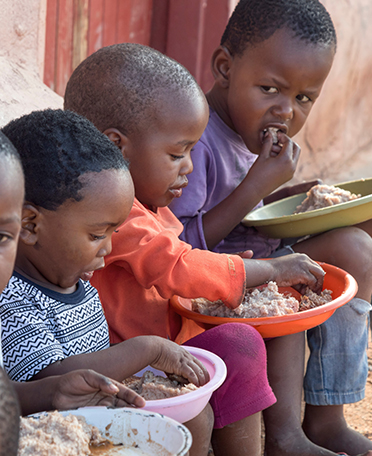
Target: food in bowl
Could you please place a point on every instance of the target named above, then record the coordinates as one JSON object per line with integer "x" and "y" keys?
{"x": 185, "y": 407}
{"x": 54, "y": 434}
{"x": 322, "y": 195}
{"x": 263, "y": 302}
{"x": 133, "y": 432}
{"x": 154, "y": 387}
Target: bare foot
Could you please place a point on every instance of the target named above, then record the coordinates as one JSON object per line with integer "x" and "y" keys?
{"x": 294, "y": 445}
{"x": 331, "y": 431}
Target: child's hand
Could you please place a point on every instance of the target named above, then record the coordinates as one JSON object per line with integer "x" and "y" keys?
{"x": 173, "y": 359}
{"x": 248, "y": 254}
{"x": 82, "y": 388}
{"x": 298, "y": 271}
{"x": 275, "y": 164}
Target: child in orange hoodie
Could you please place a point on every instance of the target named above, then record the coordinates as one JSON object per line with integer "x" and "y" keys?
{"x": 153, "y": 110}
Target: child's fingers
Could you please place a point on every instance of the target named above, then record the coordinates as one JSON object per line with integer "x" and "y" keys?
{"x": 267, "y": 145}
{"x": 195, "y": 372}
{"x": 318, "y": 276}
{"x": 313, "y": 276}
{"x": 201, "y": 371}
{"x": 110, "y": 392}
{"x": 127, "y": 396}
{"x": 248, "y": 254}
{"x": 288, "y": 147}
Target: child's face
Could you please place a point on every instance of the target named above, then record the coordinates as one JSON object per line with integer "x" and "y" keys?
{"x": 73, "y": 240}
{"x": 11, "y": 201}
{"x": 159, "y": 155}
{"x": 274, "y": 84}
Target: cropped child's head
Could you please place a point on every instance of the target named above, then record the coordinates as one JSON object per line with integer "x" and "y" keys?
{"x": 150, "y": 107}
{"x": 78, "y": 191}
{"x": 11, "y": 201}
{"x": 271, "y": 65}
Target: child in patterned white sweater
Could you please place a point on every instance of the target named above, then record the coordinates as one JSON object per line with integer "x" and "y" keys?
{"x": 78, "y": 191}
{"x": 79, "y": 388}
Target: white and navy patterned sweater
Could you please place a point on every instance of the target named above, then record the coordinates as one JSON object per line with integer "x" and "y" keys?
{"x": 41, "y": 326}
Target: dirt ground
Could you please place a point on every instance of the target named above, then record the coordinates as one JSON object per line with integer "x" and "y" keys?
{"x": 358, "y": 415}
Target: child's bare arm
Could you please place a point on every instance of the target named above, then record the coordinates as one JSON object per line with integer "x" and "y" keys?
{"x": 296, "y": 270}
{"x": 79, "y": 388}
{"x": 125, "y": 359}
{"x": 269, "y": 171}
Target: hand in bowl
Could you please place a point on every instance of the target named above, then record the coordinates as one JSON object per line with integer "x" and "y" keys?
{"x": 173, "y": 359}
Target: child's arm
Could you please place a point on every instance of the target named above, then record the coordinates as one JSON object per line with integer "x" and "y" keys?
{"x": 296, "y": 270}
{"x": 125, "y": 359}
{"x": 269, "y": 172}
{"x": 75, "y": 389}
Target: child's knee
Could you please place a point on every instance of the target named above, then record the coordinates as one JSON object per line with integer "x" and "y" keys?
{"x": 237, "y": 342}
{"x": 347, "y": 246}
{"x": 355, "y": 248}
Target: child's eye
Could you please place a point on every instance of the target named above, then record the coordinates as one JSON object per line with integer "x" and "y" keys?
{"x": 303, "y": 98}
{"x": 97, "y": 238}
{"x": 3, "y": 238}
{"x": 177, "y": 157}
{"x": 269, "y": 89}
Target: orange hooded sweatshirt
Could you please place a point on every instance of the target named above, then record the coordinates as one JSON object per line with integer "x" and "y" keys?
{"x": 148, "y": 265}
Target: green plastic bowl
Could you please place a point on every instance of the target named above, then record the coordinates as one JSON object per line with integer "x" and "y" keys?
{"x": 278, "y": 221}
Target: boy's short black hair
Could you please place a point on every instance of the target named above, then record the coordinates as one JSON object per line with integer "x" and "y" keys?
{"x": 7, "y": 149}
{"x": 254, "y": 21}
{"x": 56, "y": 148}
{"x": 119, "y": 86}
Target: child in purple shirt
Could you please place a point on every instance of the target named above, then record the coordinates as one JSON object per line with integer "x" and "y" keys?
{"x": 215, "y": 176}
{"x": 269, "y": 70}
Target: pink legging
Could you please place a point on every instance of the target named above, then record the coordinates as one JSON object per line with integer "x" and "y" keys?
{"x": 246, "y": 389}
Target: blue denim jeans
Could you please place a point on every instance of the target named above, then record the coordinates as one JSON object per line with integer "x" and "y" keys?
{"x": 338, "y": 365}
{"x": 337, "y": 368}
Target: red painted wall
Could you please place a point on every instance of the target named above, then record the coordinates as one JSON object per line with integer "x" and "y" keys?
{"x": 186, "y": 30}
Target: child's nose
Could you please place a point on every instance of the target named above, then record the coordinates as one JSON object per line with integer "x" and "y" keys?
{"x": 284, "y": 110}
{"x": 105, "y": 248}
{"x": 187, "y": 165}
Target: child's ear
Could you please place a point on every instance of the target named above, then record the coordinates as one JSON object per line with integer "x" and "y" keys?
{"x": 118, "y": 138}
{"x": 29, "y": 224}
{"x": 220, "y": 66}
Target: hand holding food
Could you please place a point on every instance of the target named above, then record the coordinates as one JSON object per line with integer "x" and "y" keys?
{"x": 277, "y": 162}
{"x": 297, "y": 271}
{"x": 173, "y": 359}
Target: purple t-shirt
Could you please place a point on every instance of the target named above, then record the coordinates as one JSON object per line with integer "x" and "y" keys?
{"x": 221, "y": 161}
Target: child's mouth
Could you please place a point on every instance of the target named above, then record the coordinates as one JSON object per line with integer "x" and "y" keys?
{"x": 176, "y": 192}
{"x": 86, "y": 276}
{"x": 274, "y": 134}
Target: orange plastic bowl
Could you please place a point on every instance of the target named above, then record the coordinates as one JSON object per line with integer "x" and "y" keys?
{"x": 342, "y": 285}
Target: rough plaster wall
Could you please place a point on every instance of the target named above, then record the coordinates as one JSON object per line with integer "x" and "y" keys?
{"x": 336, "y": 141}
{"x": 22, "y": 35}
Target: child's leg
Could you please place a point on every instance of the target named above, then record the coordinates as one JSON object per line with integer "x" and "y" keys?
{"x": 283, "y": 432}
{"x": 239, "y": 438}
{"x": 245, "y": 392}
{"x": 201, "y": 428}
{"x": 338, "y": 366}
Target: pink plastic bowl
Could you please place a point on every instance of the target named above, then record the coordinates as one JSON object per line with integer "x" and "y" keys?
{"x": 184, "y": 408}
